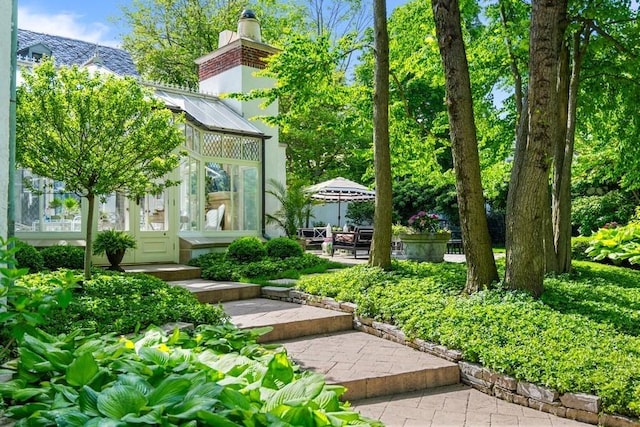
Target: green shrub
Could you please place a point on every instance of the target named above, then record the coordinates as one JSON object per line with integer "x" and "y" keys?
{"x": 28, "y": 257}
{"x": 276, "y": 268}
{"x": 579, "y": 246}
{"x": 589, "y": 213}
{"x": 267, "y": 268}
{"x": 123, "y": 304}
{"x": 217, "y": 267}
{"x": 283, "y": 247}
{"x": 246, "y": 249}
{"x": 206, "y": 260}
{"x": 307, "y": 261}
{"x": 222, "y": 270}
{"x": 63, "y": 256}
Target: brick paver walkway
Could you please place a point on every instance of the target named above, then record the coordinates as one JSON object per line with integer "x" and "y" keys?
{"x": 455, "y": 406}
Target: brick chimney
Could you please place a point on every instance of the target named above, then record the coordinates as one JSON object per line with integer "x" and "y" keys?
{"x": 231, "y": 68}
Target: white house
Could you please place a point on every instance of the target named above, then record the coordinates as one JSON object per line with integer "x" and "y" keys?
{"x": 230, "y": 157}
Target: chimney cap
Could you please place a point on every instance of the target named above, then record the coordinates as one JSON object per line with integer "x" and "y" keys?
{"x": 248, "y": 14}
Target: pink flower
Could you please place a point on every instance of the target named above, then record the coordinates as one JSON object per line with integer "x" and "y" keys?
{"x": 423, "y": 222}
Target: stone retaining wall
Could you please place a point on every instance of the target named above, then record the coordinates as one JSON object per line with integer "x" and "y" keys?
{"x": 576, "y": 406}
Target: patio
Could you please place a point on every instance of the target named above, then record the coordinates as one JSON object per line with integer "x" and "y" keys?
{"x": 346, "y": 257}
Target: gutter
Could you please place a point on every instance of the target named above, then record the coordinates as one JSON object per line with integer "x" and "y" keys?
{"x": 11, "y": 202}
{"x": 263, "y": 221}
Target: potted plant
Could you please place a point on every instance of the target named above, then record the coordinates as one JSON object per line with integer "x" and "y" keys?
{"x": 114, "y": 243}
{"x": 426, "y": 237}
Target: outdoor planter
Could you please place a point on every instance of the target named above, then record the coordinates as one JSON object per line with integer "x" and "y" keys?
{"x": 114, "y": 244}
{"x": 115, "y": 258}
{"x": 428, "y": 247}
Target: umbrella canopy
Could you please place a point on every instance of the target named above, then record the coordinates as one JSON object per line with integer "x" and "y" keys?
{"x": 339, "y": 190}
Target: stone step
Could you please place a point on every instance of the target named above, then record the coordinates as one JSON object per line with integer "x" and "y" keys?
{"x": 287, "y": 319}
{"x": 212, "y": 292}
{"x": 323, "y": 341}
{"x": 369, "y": 366}
{"x": 166, "y": 272}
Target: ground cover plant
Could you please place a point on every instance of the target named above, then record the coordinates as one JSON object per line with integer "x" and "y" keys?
{"x": 121, "y": 303}
{"x": 249, "y": 260}
{"x": 581, "y": 336}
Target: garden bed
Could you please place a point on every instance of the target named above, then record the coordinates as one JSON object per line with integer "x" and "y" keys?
{"x": 579, "y": 338}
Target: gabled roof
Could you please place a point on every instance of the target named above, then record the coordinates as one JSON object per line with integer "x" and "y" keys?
{"x": 205, "y": 110}
{"x": 77, "y": 52}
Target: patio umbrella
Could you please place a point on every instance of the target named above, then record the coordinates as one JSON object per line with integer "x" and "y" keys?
{"x": 340, "y": 190}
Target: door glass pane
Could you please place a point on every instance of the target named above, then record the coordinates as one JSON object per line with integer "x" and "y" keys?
{"x": 153, "y": 215}
{"x": 113, "y": 213}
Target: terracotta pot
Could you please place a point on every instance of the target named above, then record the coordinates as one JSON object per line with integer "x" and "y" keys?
{"x": 427, "y": 247}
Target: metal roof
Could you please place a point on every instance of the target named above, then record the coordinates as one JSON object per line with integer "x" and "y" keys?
{"x": 208, "y": 111}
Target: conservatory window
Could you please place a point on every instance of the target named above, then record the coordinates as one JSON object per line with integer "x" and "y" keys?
{"x": 189, "y": 195}
{"x": 231, "y": 197}
{"x": 44, "y": 205}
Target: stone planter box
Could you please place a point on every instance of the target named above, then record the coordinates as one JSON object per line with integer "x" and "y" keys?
{"x": 425, "y": 247}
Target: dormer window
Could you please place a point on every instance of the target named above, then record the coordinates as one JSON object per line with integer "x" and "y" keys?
{"x": 35, "y": 52}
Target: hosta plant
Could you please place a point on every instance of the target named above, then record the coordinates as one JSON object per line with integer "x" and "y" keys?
{"x": 215, "y": 376}
{"x": 617, "y": 243}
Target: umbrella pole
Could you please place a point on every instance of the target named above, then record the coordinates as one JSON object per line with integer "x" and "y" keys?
{"x": 339, "y": 222}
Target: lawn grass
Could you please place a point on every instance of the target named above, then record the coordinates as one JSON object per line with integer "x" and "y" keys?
{"x": 581, "y": 336}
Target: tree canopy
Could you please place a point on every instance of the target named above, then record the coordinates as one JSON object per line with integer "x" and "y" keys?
{"x": 326, "y": 98}
{"x": 96, "y": 133}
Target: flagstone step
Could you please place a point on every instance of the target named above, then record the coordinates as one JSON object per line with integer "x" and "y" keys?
{"x": 369, "y": 366}
{"x": 287, "y": 319}
{"x": 323, "y": 341}
{"x": 166, "y": 272}
{"x": 212, "y": 292}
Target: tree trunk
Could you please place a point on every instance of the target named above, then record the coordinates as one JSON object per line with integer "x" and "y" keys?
{"x": 88, "y": 248}
{"x": 481, "y": 267}
{"x": 381, "y": 245}
{"x": 549, "y": 247}
{"x": 564, "y": 154}
{"x": 554, "y": 262}
{"x": 528, "y": 188}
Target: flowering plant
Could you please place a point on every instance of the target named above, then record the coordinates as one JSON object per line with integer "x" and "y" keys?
{"x": 423, "y": 222}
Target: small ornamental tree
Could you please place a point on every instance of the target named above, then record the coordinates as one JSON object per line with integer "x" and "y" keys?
{"x": 96, "y": 133}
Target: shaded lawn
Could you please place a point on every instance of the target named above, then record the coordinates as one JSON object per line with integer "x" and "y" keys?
{"x": 581, "y": 336}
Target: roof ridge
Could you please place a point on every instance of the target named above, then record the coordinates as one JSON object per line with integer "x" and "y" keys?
{"x": 71, "y": 38}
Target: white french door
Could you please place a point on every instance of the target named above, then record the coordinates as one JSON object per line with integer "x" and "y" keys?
{"x": 151, "y": 221}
